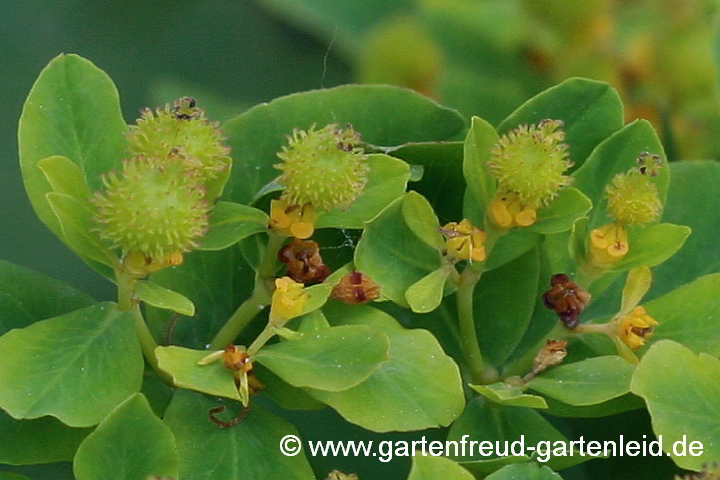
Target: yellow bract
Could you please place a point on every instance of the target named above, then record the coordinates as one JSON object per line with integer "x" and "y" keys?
{"x": 293, "y": 220}
{"x": 288, "y": 300}
{"x": 608, "y": 244}
{"x": 464, "y": 241}
{"x": 635, "y": 328}
{"x": 507, "y": 211}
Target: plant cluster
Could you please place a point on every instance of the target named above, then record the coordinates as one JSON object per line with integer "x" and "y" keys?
{"x": 365, "y": 251}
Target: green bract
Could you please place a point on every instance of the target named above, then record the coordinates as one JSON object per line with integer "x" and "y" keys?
{"x": 407, "y": 310}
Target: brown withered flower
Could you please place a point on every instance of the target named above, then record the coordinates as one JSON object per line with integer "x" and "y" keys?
{"x": 356, "y": 287}
{"x": 304, "y": 263}
{"x": 567, "y": 298}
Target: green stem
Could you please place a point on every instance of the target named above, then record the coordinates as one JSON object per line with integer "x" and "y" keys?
{"x": 240, "y": 319}
{"x": 469, "y": 339}
{"x": 523, "y": 365}
{"x": 261, "y": 340}
{"x": 259, "y": 299}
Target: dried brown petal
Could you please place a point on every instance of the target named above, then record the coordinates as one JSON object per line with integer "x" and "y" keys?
{"x": 356, "y": 287}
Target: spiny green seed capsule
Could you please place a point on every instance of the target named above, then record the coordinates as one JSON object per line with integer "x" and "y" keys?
{"x": 529, "y": 162}
{"x": 323, "y": 167}
{"x": 633, "y": 198}
{"x": 182, "y": 129}
{"x": 155, "y": 206}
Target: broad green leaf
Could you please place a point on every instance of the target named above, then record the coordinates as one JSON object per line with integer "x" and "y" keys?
{"x": 692, "y": 200}
{"x": 160, "y": 297}
{"x": 334, "y": 359}
{"x": 43, "y": 440}
{"x": 481, "y": 186}
{"x": 577, "y": 244}
{"x": 419, "y": 387}
{"x": 503, "y": 303}
{"x": 431, "y": 466}
{"x": 317, "y": 296}
{"x": 182, "y": 364}
{"x": 588, "y": 382}
{"x": 591, "y": 111}
{"x": 258, "y": 134}
{"x": 524, "y": 471}
{"x": 426, "y": 294}
{"x": 78, "y": 229}
{"x": 689, "y": 315}
{"x": 65, "y": 177}
{"x": 387, "y": 180}
{"x": 615, "y": 406}
{"x": 216, "y": 282}
{"x": 157, "y": 392}
{"x": 683, "y": 396}
{"x": 652, "y": 245}
{"x": 56, "y": 364}
{"x": 420, "y": 218}
{"x": 636, "y": 286}
{"x": 73, "y": 111}
{"x": 392, "y": 254}
{"x": 504, "y": 394}
{"x": 442, "y": 182}
{"x": 230, "y": 223}
{"x": 249, "y": 450}
{"x": 618, "y": 154}
{"x": 129, "y": 444}
{"x": 561, "y": 214}
{"x": 28, "y": 296}
{"x": 511, "y": 246}
{"x": 284, "y": 394}
{"x": 13, "y": 476}
{"x": 513, "y": 425}
{"x": 482, "y": 468}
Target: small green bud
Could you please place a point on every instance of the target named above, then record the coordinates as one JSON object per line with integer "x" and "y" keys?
{"x": 529, "y": 162}
{"x": 183, "y": 130}
{"x": 323, "y": 167}
{"x": 633, "y": 198}
{"x": 155, "y": 206}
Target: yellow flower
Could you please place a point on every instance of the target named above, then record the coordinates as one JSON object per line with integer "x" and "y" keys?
{"x": 635, "y": 328}
{"x": 293, "y": 220}
{"x": 288, "y": 300}
{"x": 140, "y": 265}
{"x": 608, "y": 244}
{"x": 507, "y": 211}
{"x": 464, "y": 241}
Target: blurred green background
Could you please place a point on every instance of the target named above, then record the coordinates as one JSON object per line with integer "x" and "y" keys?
{"x": 482, "y": 57}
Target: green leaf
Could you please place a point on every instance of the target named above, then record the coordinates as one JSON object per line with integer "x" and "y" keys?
{"x": 504, "y": 300}
{"x": 230, "y": 223}
{"x": 426, "y": 294}
{"x": 591, "y": 111}
{"x": 442, "y": 182}
{"x": 683, "y": 396}
{"x": 387, "y": 181}
{"x": 333, "y": 359}
{"x": 160, "y": 297}
{"x": 689, "y": 315}
{"x": 524, "y": 471}
{"x": 636, "y": 286}
{"x": 561, "y": 214}
{"x": 507, "y": 424}
{"x": 56, "y": 363}
{"x": 618, "y": 154}
{"x": 28, "y": 296}
{"x": 652, "y": 245}
{"x": 615, "y": 406}
{"x": 182, "y": 364}
{"x": 503, "y": 394}
{"x": 419, "y": 387}
{"x": 284, "y": 394}
{"x": 693, "y": 201}
{"x": 129, "y": 444}
{"x": 391, "y": 252}
{"x": 73, "y": 111}
{"x": 258, "y": 134}
{"x": 588, "y": 382}
{"x": 43, "y": 440}
{"x": 317, "y": 296}
{"x": 428, "y": 467}
{"x": 78, "y": 229}
{"x": 13, "y": 476}
{"x": 511, "y": 246}
{"x": 481, "y": 186}
{"x": 421, "y": 219}
{"x": 249, "y": 450}
{"x": 65, "y": 177}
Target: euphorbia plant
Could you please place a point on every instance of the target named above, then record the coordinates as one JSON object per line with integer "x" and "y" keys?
{"x": 360, "y": 248}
